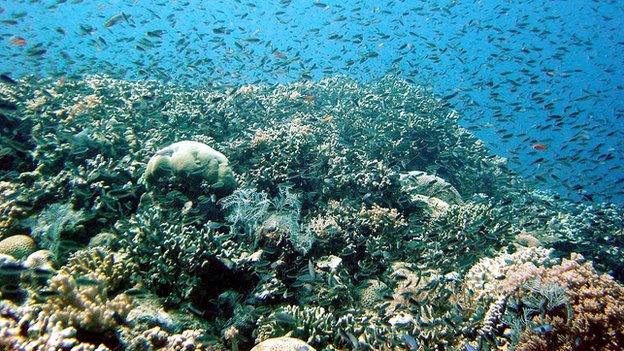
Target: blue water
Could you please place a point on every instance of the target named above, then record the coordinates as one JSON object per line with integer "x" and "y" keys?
{"x": 540, "y": 72}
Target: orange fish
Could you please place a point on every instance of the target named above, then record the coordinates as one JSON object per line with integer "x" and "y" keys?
{"x": 279, "y": 54}
{"x": 309, "y": 98}
{"x": 18, "y": 41}
{"x": 539, "y": 147}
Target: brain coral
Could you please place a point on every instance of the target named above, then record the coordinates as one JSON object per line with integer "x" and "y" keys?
{"x": 283, "y": 344}
{"x": 192, "y": 159}
{"x": 18, "y": 246}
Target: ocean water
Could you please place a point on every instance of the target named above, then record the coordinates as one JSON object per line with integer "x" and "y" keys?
{"x": 521, "y": 74}
{"x": 351, "y": 175}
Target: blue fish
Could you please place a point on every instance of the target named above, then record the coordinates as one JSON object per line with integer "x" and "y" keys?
{"x": 411, "y": 343}
{"x": 543, "y": 329}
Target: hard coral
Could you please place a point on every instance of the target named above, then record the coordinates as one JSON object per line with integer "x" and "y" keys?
{"x": 74, "y": 315}
{"x": 18, "y": 246}
{"x": 113, "y": 270}
{"x": 567, "y": 306}
{"x": 194, "y": 162}
{"x": 87, "y": 307}
{"x": 597, "y": 318}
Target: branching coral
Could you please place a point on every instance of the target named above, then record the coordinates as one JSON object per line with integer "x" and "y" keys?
{"x": 76, "y": 313}
{"x": 461, "y": 235}
{"x": 553, "y": 307}
{"x": 113, "y": 270}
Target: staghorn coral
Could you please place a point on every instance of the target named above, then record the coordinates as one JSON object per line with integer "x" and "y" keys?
{"x": 180, "y": 260}
{"x": 461, "y": 235}
{"x": 11, "y": 208}
{"x": 157, "y": 339}
{"x": 113, "y": 269}
{"x": 84, "y": 307}
{"x": 73, "y": 315}
{"x": 282, "y": 151}
{"x": 311, "y": 324}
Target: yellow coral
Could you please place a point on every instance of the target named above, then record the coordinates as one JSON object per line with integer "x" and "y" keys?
{"x": 17, "y": 246}
{"x": 85, "y": 307}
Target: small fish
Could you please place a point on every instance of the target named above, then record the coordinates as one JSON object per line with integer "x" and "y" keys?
{"x": 469, "y": 347}
{"x": 411, "y": 343}
{"x": 10, "y": 268}
{"x": 47, "y": 293}
{"x": 18, "y": 41}
{"x": 135, "y": 292}
{"x": 36, "y": 50}
{"x": 69, "y": 245}
{"x": 118, "y": 318}
{"x": 43, "y": 273}
{"x": 539, "y": 147}
{"x": 278, "y": 54}
{"x": 156, "y": 33}
{"x": 311, "y": 270}
{"x": 12, "y": 290}
{"x": 115, "y": 19}
{"x": 7, "y": 79}
{"x": 284, "y": 318}
{"x": 354, "y": 341}
{"x": 543, "y": 329}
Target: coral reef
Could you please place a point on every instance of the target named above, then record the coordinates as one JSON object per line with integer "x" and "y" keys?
{"x": 345, "y": 216}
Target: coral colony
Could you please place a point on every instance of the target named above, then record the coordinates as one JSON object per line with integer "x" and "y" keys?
{"x": 330, "y": 215}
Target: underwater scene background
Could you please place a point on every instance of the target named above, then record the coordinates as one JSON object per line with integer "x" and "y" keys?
{"x": 300, "y": 175}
